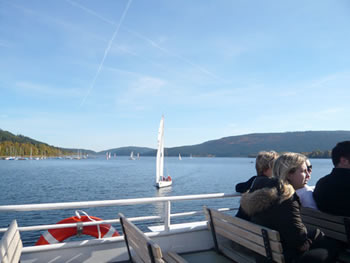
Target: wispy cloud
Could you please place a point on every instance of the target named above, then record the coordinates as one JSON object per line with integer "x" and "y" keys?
{"x": 91, "y": 12}
{"x": 123, "y": 71}
{"x": 148, "y": 85}
{"x": 150, "y": 42}
{"x": 331, "y": 79}
{"x": 142, "y": 91}
{"x": 106, "y": 52}
{"x": 4, "y": 43}
{"x": 42, "y": 89}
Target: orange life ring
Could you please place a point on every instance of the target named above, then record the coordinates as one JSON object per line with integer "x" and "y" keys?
{"x": 53, "y": 236}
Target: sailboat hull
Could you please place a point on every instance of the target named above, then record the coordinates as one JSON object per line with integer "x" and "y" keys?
{"x": 162, "y": 184}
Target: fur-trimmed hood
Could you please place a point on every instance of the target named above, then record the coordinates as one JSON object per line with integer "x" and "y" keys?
{"x": 261, "y": 198}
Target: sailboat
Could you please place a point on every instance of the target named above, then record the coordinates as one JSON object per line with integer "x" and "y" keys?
{"x": 180, "y": 157}
{"x": 132, "y": 156}
{"x": 161, "y": 181}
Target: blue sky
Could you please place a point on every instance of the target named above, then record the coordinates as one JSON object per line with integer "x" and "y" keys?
{"x": 100, "y": 74}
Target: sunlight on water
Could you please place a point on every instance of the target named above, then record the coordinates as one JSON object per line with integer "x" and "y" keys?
{"x": 50, "y": 181}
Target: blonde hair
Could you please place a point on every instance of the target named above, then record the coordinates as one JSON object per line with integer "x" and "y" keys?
{"x": 287, "y": 163}
{"x": 264, "y": 161}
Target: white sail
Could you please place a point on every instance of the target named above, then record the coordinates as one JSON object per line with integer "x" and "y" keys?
{"x": 160, "y": 180}
{"x": 160, "y": 152}
{"x": 132, "y": 156}
{"x": 180, "y": 157}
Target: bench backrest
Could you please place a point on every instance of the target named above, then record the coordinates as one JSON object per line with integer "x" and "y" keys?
{"x": 11, "y": 245}
{"x": 259, "y": 239}
{"x": 145, "y": 248}
{"x": 336, "y": 227}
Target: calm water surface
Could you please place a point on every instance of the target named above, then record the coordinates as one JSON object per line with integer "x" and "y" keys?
{"x": 50, "y": 181}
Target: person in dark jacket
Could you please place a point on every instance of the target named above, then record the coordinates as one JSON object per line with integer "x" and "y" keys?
{"x": 272, "y": 202}
{"x": 332, "y": 192}
{"x": 263, "y": 165}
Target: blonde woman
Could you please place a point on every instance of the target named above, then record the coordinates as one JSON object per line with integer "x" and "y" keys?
{"x": 263, "y": 165}
{"x": 272, "y": 202}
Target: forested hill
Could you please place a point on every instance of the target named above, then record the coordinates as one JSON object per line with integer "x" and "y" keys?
{"x": 312, "y": 143}
{"x": 19, "y": 145}
{"x": 315, "y": 143}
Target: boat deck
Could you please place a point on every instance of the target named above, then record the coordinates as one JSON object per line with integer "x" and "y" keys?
{"x": 207, "y": 256}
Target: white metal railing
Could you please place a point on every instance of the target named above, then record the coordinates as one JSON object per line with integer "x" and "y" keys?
{"x": 88, "y": 204}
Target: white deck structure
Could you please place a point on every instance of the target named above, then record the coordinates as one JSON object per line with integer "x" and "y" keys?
{"x": 182, "y": 238}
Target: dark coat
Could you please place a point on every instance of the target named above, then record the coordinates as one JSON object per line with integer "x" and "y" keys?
{"x": 245, "y": 186}
{"x": 278, "y": 208}
{"x": 332, "y": 192}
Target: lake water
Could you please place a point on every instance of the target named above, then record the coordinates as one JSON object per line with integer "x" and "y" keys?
{"x": 54, "y": 180}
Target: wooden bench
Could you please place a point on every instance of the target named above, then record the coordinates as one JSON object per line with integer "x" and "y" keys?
{"x": 262, "y": 240}
{"x": 336, "y": 227}
{"x": 11, "y": 245}
{"x": 146, "y": 250}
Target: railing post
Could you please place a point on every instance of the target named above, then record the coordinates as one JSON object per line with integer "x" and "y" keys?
{"x": 167, "y": 210}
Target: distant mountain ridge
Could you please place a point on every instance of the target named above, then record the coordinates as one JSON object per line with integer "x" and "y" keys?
{"x": 127, "y": 150}
{"x": 232, "y": 146}
{"x": 251, "y": 144}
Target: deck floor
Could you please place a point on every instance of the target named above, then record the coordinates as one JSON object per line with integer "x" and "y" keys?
{"x": 208, "y": 256}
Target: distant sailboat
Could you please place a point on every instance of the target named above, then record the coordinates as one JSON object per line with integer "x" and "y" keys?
{"x": 180, "y": 157}
{"x": 161, "y": 181}
{"x": 132, "y": 156}
{"x": 138, "y": 156}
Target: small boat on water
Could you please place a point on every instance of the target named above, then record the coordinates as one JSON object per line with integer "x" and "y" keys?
{"x": 161, "y": 181}
{"x": 132, "y": 156}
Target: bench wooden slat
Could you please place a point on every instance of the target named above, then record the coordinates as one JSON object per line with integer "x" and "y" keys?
{"x": 329, "y": 233}
{"x": 137, "y": 241}
{"x": 173, "y": 257}
{"x": 11, "y": 244}
{"x": 321, "y": 215}
{"x": 336, "y": 227}
{"x": 244, "y": 224}
{"x": 331, "y": 225}
{"x": 277, "y": 256}
{"x": 140, "y": 242}
{"x": 246, "y": 234}
{"x": 235, "y": 255}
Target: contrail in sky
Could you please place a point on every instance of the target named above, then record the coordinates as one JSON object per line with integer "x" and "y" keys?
{"x": 151, "y": 42}
{"x": 106, "y": 51}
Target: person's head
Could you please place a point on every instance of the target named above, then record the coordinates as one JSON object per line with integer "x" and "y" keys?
{"x": 308, "y": 166}
{"x": 341, "y": 155}
{"x": 291, "y": 168}
{"x": 264, "y": 162}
